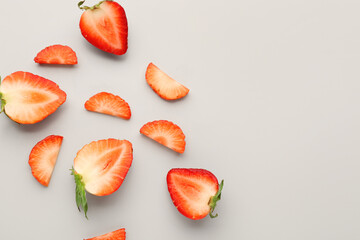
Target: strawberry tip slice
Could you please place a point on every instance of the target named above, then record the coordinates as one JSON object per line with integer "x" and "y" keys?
{"x": 80, "y": 192}
{"x": 119, "y": 234}
{"x": 56, "y": 54}
{"x": 214, "y": 199}
{"x": 110, "y": 104}
{"x": 166, "y": 133}
{"x": 43, "y": 157}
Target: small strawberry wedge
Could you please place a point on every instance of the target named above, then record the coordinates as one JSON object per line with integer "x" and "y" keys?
{"x": 166, "y": 87}
{"x": 56, "y": 54}
{"x": 165, "y": 133}
{"x": 43, "y": 158}
{"x": 27, "y": 98}
{"x": 119, "y": 234}
{"x": 194, "y": 192}
{"x": 109, "y": 104}
{"x": 105, "y": 26}
{"x": 100, "y": 168}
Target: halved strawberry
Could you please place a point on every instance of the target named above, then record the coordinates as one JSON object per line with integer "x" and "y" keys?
{"x": 105, "y": 26}
{"x": 110, "y": 104}
{"x": 194, "y": 192}
{"x": 56, "y": 54}
{"x": 163, "y": 85}
{"x": 100, "y": 168}
{"x": 119, "y": 234}
{"x": 165, "y": 133}
{"x": 27, "y": 98}
{"x": 43, "y": 157}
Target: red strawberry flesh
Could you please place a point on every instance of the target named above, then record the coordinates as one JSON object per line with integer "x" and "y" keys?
{"x": 43, "y": 158}
{"x": 28, "y": 98}
{"x": 110, "y": 104}
{"x": 194, "y": 192}
{"x": 119, "y": 234}
{"x": 105, "y": 26}
{"x": 165, "y": 133}
{"x": 101, "y": 167}
{"x": 56, "y": 54}
{"x": 166, "y": 87}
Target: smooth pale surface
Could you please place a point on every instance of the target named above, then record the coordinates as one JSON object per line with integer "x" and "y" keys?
{"x": 273, "y": 109}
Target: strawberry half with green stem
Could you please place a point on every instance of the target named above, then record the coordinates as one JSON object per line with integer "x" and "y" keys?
{"x": 56, "y": 54}
{"x": 105, "y": 26}
{"x": 27, "y": 98}
{"x": 194, "y": 192}
{"x": 119, "y": 234}
{"x": 166, "y": 133}
{"x": 100, "y": 168}
{"x": 43, "y": 158}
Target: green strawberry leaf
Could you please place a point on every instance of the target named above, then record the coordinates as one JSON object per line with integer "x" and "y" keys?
{"x": 215, "y": 199}
{"x": 2, "y": 101}
{"x": 91, "y": 8}
{"x": 80, "y": 192}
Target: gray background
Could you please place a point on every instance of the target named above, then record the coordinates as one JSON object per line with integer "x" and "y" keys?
{"x": 273, "y": 109}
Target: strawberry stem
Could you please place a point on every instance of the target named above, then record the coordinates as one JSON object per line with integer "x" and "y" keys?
{"x": 214, "y": 199}
{"x": 80, "y": 192}
{"x": 90, "y": 8}
{"x": 2, "y": 101}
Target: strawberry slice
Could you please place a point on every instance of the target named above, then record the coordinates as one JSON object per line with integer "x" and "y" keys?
{"x": 27, "y": 98}
{"x": 119, "y": 234}
{"x": 163, "y": 85}
{"x": 105, "y": 26}
{"x": 43, "y": 157}
{"x": 194, "y": 192}
{"x": 165, "y": 133}
{"x": 110, "y": 104}
{"x": 56, "y": 54}
{"x": 100, "y": 168}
